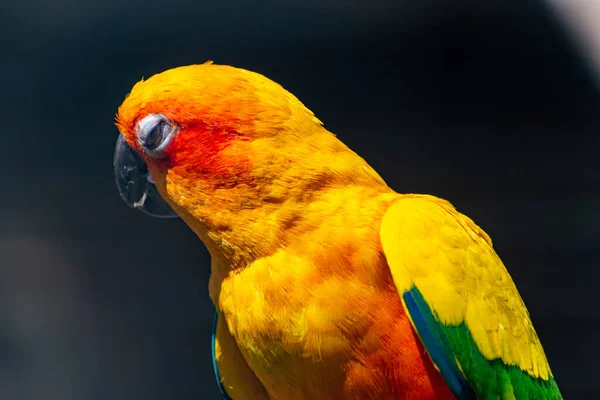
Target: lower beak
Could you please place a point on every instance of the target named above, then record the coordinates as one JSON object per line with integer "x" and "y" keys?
{"x": 135, "y": 183}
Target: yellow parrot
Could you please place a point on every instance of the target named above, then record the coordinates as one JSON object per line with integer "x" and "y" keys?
{"x": 327, "y": 283}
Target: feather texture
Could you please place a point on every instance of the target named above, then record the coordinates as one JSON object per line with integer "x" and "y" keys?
{"x": 214, "y": 357}
{"x": 437, "y": 345}
{"x": 328, "y": 284}
{"x": 458, "y": 288}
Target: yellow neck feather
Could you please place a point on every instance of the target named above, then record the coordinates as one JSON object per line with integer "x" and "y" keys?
{"x": 294, "y": 183}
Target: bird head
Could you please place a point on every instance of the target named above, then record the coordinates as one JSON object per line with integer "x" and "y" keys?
{"x": 225, "y": 148}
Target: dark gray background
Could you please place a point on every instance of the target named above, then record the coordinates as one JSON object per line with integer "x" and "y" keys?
{"x": 488, "y": 104}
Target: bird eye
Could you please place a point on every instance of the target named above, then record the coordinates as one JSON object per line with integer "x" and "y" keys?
{"x": 154, "y": 133}
{"x": 154, "y": 137}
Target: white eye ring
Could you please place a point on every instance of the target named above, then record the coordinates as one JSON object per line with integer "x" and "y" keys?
{"x": 154, "y": 133}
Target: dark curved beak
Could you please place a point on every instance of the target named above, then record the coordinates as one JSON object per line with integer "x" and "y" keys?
{"x": 135, "y": 183}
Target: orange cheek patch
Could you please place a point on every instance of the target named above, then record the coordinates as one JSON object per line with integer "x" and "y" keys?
{"x": 213, "y": 153}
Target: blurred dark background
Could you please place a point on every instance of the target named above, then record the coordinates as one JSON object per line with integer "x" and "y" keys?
{"x": 493, "y": 105}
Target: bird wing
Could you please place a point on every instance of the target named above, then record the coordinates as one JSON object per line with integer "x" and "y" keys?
{"x": 463, "y": 303}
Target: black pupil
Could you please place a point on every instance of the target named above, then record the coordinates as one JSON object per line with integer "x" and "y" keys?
{"x": 154, "y": 137}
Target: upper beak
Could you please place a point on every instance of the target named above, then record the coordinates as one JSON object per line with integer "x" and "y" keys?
{"x": 135, "y": 183}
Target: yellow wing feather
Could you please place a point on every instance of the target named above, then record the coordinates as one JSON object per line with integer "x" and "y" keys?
{"x": 430, "y": 245}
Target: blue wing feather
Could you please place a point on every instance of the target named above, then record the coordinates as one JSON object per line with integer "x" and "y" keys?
{"x": 436, "y": 344}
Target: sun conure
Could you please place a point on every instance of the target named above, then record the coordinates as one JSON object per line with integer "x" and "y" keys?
{"x": 327, "y": 283}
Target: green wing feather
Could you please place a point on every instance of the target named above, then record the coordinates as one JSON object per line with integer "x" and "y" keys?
{"x": 463, "y": 302}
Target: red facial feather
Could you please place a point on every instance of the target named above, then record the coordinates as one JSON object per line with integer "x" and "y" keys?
{"x": 198, "y": 150}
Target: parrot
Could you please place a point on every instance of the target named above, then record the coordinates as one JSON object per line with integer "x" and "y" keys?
{"x": 327, "y": 283}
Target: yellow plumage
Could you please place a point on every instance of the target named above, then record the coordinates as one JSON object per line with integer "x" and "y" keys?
{"x": 329, "y": 284}
{"x": 428, "y": 244}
